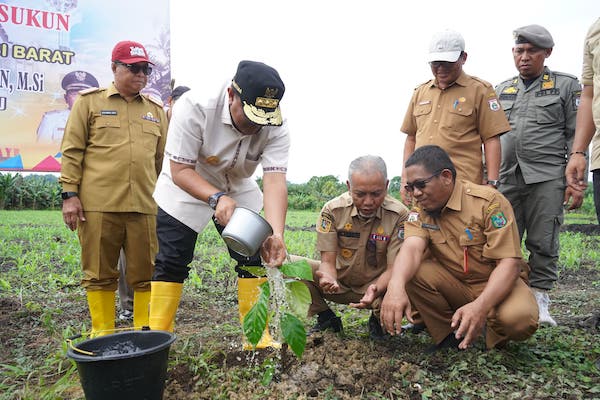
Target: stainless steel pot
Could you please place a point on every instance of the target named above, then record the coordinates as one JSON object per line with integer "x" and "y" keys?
{"x": 246, "y": 231}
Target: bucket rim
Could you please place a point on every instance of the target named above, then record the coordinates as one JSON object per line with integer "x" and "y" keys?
{"x": 81, "y": 357}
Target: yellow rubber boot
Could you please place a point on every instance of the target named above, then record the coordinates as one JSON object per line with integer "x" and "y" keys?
{"x": 141, "y": 304}
{"x": 164, "y": 300}
{"x": 102, "y": 311}
{"x": 248, "y": 292}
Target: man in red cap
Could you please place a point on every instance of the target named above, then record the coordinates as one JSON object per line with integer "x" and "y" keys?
{"x": 112, "y": 153}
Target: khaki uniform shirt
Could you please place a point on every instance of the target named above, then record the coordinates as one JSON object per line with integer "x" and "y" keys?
{"x": 201, "y": 133}
{"x": 112, "y": 151}
{"x": 364, "y": 246}
{"x": 476, "y": 218}
{"x": 542, "y": 121}
{"x": 591, "y": 77}
{"x": 458, "y": 119}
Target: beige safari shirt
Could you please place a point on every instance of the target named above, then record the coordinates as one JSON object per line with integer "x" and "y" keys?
{"x": 591, "y": 77}
{"x": 364, "y": 246}
{"x": 476, "y": 218}
{"x": 202, "y": 134}
{"x": 112, "y": 151}
{"x": 458, "y": 119}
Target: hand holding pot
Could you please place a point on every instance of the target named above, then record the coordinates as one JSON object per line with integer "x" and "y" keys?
{"x": 273, "y": 251}
{"x": 224, "y": 210}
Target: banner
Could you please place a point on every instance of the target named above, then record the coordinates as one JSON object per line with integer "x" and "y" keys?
{"x": 49, "y": 50}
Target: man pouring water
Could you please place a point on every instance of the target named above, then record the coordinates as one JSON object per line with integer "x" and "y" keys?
{"x": 214, "y": 146}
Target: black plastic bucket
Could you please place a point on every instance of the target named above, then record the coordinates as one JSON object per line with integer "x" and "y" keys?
{"x": 128, "y": 365}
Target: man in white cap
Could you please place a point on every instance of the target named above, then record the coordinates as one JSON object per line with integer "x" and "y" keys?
{"x": 457, "y": 112}
{"x": 52, "y": 125}
{"x": 541, "y": 106}
{"x": 214, "y": 146}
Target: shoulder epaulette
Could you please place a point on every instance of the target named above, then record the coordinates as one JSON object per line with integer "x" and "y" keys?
{"x": 482, "y": 81}
{"x": 392, "y": 204}
{"x": 154, "y": 99}
{"x": 89, "y": 90}
{"x": 423, "y": 84}
{"x": 565, "y": 74}
{"x": 481, "y": 191}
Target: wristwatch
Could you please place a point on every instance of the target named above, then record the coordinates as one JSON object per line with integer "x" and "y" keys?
{"x": 495, "y": 183}
{"x": 214, "y": 199}
{"x": 68, "y": 195}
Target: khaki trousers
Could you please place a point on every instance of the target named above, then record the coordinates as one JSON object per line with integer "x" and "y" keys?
{"x": 101, "y": 237}
{"x": 437, "y": 293}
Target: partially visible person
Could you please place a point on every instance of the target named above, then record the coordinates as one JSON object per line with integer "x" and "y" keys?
{"x": 475, "y": 278}
{"x": 52, "y": 126}
{"x": 214, "y": 146}
{"x": 457, "y": 112}
{"x": 588, "y": 120}
{"x": 541, "y": 106}
{"x": 112, "y": 153}
{"x": 175, "y": 94}
{"x": 359, "y": 234}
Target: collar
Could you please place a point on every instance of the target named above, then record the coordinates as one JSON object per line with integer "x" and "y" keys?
{"x": 354, "y": 213}
{"x": 462, "y": 80}
{"x": 112, "y": 90}
{"x": 455, "y": 200}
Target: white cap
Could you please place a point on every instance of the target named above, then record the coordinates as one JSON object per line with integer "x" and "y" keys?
{"x": 446, "y": 46}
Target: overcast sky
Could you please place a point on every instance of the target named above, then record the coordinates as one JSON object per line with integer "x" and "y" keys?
{"x": 350, "y": 66}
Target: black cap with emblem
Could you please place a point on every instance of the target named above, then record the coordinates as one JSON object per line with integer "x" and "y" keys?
{"x": 78, "y": 80}
{"x": 260, "y": 89}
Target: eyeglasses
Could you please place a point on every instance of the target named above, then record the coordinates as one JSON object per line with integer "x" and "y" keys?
{"x": 136, "y": 68}
{"x": 420, "y": 184}
{"x": 445, "y": 64}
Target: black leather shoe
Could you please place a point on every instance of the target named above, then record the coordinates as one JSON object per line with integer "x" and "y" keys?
{"x": 449, "y": 342}
{"x": 333, "y": 324}
{"x": 375, "y": 330}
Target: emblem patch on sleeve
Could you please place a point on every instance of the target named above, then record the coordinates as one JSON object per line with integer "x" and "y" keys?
{"x": 324, "y": 224}
{"x": 498, "y": 220}
{"x": 494, "y": 105}
{"x": 413, "y": 216}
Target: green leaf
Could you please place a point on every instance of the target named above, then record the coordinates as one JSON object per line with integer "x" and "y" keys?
{"x": 294, "y": 333}
{"x": 268, "y": 374}
{"x": 255, "y": 321}
{"x": 298, "y": 298}
{"x": 298, "y": 269}
{"x": 256, "y": 271}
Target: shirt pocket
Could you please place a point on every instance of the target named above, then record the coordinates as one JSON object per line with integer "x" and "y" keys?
{"x": 460, "y": 119}
{"x": 549, "y": 110}
{"x": 106, "y": 130}
{"x": 150, "y": 135}
{"x": 474, "y": 244}
{"x": 422, "y": 111}
{"x": 348, "y": 251}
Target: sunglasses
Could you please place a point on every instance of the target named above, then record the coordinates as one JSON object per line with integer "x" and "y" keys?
{"x": 419, "y": 184}
{"x": 136, "y": 68}
{"x": 445, "y": 64}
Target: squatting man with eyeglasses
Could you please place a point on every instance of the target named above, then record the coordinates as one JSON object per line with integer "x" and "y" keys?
{"x": 112, "y": 153}
{"x": 457, "y": 112}
{"x": 359, "y": 234}
{"x": 476, "y": 279}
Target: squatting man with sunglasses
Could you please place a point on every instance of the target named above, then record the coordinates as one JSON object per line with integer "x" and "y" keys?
{"x": 476, "y": 276}
{"x": 359, "y": 234}
{"x": 112, "y": 153}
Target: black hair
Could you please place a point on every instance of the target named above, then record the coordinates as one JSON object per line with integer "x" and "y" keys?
{"x": 433, "y": 158}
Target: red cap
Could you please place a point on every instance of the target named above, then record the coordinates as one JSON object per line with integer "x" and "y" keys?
{"x": 130, "y": 53}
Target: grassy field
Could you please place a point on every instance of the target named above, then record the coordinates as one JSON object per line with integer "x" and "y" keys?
{"x": 41, "y": 304}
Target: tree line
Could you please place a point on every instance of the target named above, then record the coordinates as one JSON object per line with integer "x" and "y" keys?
{"x": 42, "y": 192}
